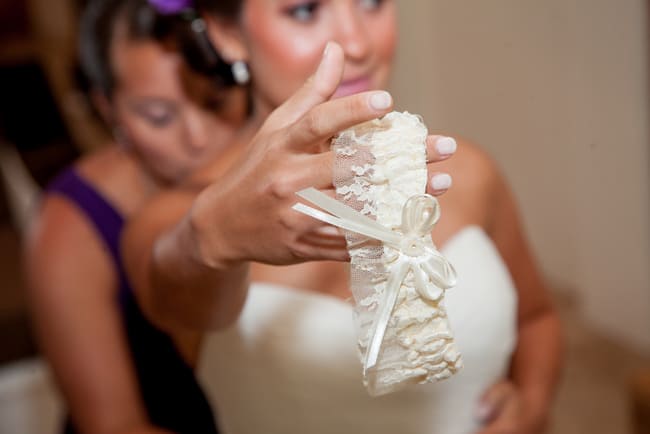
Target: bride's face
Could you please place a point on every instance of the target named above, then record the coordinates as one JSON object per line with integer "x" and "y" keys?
{"x": 282, "y": 41}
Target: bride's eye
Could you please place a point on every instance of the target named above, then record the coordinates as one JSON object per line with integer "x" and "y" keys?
{"x": 370, "y": 4}
{"x": 303, "y": 12}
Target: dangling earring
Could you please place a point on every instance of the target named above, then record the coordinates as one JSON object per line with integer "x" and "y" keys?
{"x": 240, "y": 72}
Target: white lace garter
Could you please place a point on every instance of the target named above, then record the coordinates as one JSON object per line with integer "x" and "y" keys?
{"x": 398, "y": 278}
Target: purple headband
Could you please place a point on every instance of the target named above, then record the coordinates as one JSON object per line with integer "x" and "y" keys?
{"x": 170, "y": 7}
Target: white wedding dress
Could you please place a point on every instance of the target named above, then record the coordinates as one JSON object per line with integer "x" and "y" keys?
{"x": 290, "y": 364}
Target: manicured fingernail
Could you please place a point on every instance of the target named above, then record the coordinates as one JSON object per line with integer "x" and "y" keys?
{"x": 441, "y": 181}
{"x": 445, "y": 145}
{"x": 329, "y": 230}
{"x": 327, "y": 49}
{"x": 381, "y": 100}
{"x": 318, "y": 76}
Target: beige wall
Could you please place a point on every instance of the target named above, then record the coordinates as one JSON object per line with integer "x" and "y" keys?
{"x": 558, "y": 92}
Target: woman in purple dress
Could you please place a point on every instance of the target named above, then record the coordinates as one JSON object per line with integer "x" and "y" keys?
{"x": 118, "y": 372}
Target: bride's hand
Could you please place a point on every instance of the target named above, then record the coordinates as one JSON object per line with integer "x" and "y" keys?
{"x": 503, "y": 410}
{"x": 246, "y": 215}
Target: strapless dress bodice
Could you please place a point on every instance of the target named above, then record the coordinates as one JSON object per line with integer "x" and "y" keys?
{"x": 290, "y": 363}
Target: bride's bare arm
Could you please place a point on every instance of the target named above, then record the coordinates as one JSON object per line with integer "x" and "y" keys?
{"x": 170, "y": 278}
{"x": 523, "y": 403}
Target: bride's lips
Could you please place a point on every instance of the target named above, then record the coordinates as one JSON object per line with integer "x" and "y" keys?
{"x": 350, "y": 87}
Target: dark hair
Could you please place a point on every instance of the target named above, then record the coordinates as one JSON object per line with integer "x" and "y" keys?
{"x": 199, "y": 52}
{"x": 98, "y": 24}
{"x": 223, "y": 8}
{"x": 101, "y": 18}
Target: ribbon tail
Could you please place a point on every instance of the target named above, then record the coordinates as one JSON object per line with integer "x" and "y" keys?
{"x": 386, "y": 309}
{"x": 344, "y": 217}
{"x": 346, "y": 224}
{"x": 337, "y": 208}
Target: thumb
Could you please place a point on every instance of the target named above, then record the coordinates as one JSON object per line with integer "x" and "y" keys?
{"x": 317, "y": 89}
{"x": 492, "y": 401}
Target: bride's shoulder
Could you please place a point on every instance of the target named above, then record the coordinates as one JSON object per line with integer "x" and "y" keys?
{"x": 473, "y": 170}
{"x": 477, "y": 182}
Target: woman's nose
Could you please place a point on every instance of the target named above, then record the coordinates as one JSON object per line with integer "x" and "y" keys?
{"x": 197, "y": 132}
{"x": 352, "y": 33}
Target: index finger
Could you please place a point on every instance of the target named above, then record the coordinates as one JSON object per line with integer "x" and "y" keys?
{"x": 329, "y": 118}
{"x": 318, "y": 88}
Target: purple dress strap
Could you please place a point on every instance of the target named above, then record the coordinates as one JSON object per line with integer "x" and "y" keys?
{"x": 101, "y": 214}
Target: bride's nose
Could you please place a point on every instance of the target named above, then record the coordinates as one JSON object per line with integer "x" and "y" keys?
{"x": 352, "y": 34}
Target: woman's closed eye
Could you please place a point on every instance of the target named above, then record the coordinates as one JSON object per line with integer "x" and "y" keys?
{"x": 158, "y": 115}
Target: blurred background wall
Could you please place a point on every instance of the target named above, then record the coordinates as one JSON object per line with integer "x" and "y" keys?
{"x": 557, "y": 91}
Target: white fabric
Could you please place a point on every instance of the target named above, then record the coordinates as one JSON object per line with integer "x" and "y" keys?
{"x": 404, "y": 335}
{"x": 290, "y": 364}
{"x": 29, "y": 401}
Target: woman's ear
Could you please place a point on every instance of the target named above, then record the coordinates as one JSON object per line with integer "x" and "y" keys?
{"x": 227, "y": 39}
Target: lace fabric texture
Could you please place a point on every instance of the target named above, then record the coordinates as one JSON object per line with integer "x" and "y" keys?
{"x": 379, "y": 165}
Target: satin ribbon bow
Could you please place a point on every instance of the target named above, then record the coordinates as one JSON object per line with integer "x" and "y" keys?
{"x": 415, "y": 252}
